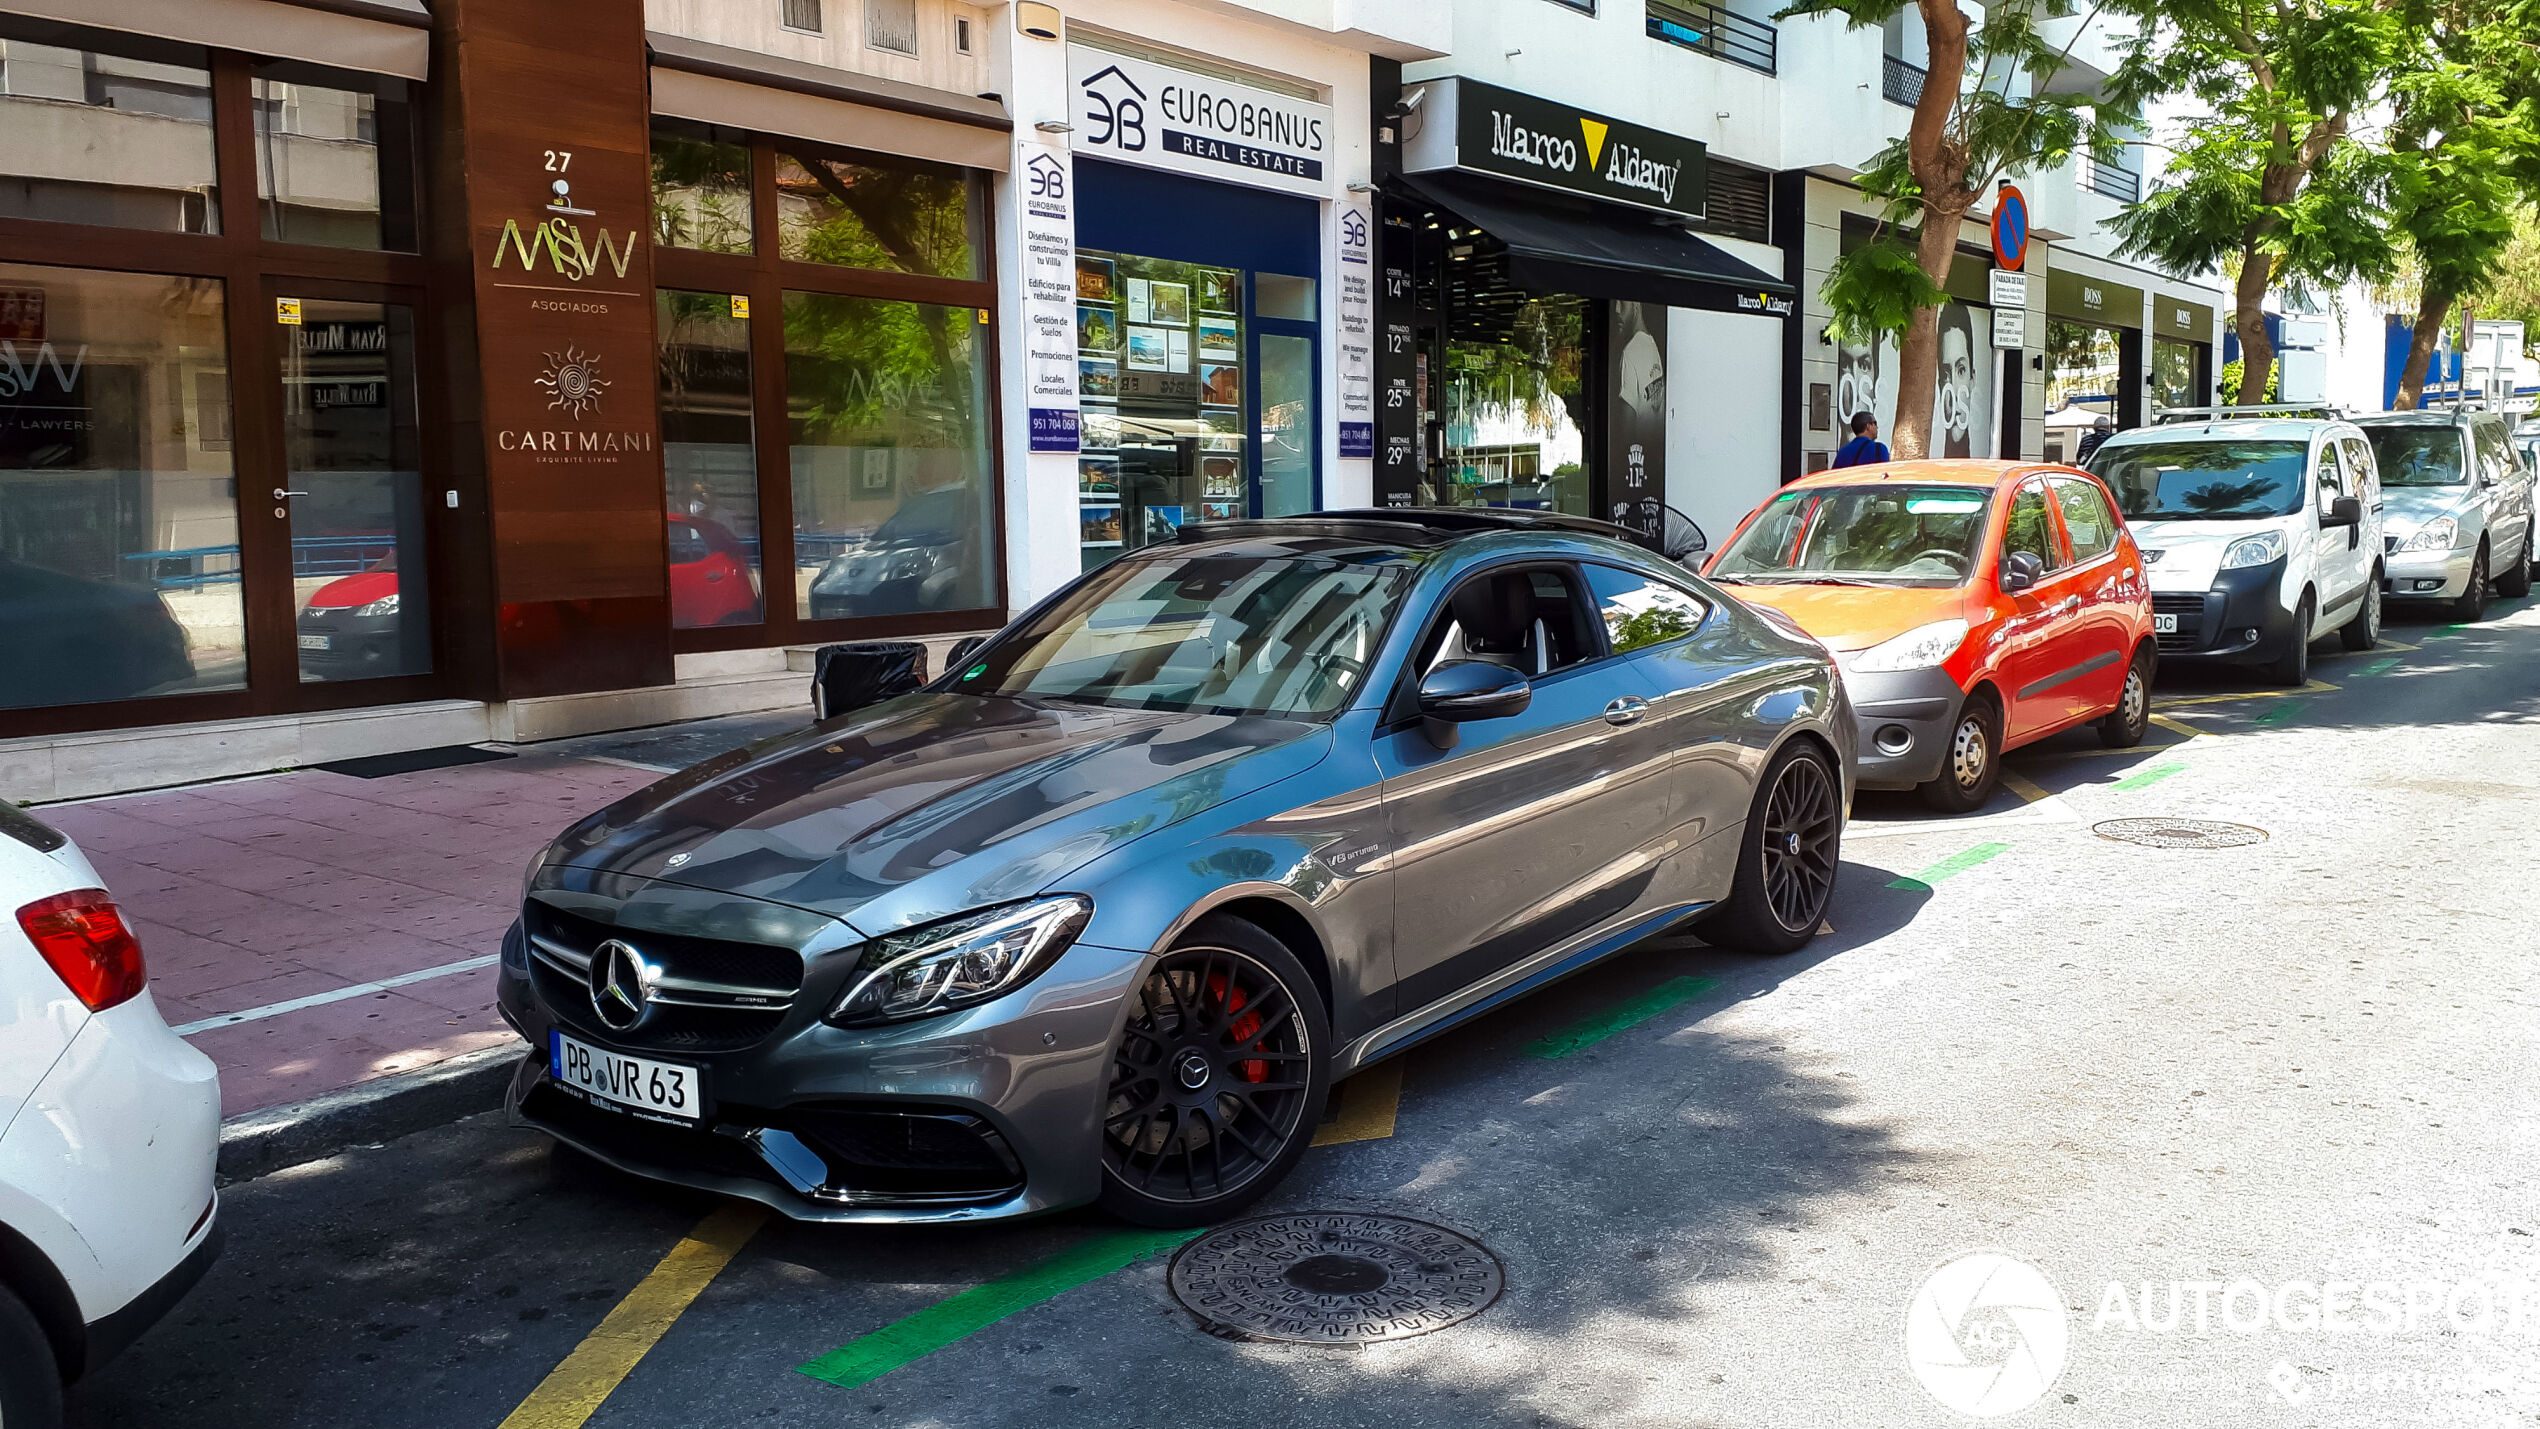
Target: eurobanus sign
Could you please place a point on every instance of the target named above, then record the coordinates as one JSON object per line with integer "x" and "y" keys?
{"x": 1466, "y": 124}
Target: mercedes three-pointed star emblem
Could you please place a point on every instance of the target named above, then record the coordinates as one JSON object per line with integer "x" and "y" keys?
{"x": 621, "y": 985}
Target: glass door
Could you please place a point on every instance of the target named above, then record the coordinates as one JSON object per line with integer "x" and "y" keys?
{"x": 349, "y": 494}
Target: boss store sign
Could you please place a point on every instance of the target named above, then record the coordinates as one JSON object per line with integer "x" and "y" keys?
{"x": 1137, "y": 111}
{"x": 1481, "y": 128}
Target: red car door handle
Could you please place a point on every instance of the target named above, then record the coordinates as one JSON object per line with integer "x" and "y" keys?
{"x": 2070, "y": 604}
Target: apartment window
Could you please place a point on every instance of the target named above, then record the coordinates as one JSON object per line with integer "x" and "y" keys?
{"x": 891, "y": 25}
{"x": 803, "y": 15}
{"x": 961, "y": 36}
{"x": 334, "y": 157}
{"x": 1584, "y": 7}
{"x": 109, "y": 130}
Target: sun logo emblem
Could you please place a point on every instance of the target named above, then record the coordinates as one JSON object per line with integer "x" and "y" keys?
{"x": 573, "y": 381}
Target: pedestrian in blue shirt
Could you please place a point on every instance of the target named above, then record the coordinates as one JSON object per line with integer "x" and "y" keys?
{"x": 1865, "y": 448}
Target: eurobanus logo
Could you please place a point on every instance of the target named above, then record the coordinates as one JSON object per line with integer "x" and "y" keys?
{"x": 1117, "y": 106}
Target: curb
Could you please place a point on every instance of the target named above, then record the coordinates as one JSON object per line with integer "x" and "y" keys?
{"x": 383, "y": 1108}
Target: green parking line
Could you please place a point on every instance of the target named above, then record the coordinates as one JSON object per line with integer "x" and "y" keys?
{"x": 1630, "y": 1012}
{"x": 1956, "y": 863}
{"x": 2281, "y": 714}
{"x": 921, "y": 1334}
{"x": 2144, "y": 779}
{"x": 2380, "y": 667}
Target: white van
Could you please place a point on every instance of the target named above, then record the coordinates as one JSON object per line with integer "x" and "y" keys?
{"x": 2259, "y": 536}
{"x": 109, "y": 1131}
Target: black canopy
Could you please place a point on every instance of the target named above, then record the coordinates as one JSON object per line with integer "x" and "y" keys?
{"x": 1597, "y": 251}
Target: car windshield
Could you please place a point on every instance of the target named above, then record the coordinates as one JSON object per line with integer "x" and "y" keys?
{"x": 2205, "y": 480}
{"x": 1888, "y": 533}
{"x": 1203, "y": 633}
{"x": 2418, "y": 456}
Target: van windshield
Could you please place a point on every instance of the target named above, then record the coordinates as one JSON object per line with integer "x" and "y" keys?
{"x": 2205, "y": 480}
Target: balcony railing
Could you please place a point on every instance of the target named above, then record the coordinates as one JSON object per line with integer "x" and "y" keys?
{"x": 1900, "y": 82}
{"x": 2109, "y": 181}
{"x": 1700, "y": 25}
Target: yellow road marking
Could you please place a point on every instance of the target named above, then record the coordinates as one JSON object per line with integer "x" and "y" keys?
{"x": 1368, "y": 1103}
{"x": 575, "y": 1389}
{"x": 2313, "y": 688}
{"x": 2178, "y": 726}
{"x": 2027, "y": 791}
{"x": 2387, "y": 644}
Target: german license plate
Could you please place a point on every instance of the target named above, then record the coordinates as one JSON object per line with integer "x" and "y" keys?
{"x": 316, "y": 642}
{"x": 2165, "y": 625}
{"x": 664, "y": 1090}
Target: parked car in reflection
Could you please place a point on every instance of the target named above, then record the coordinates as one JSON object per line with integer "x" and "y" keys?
{"x": 1101, "y": 914}
{"x": 2458, "y": 514}
{"x": 1975, "y": 607}
{"x": 65, "y": 639}
{"x": 917, "y": 560}
{"x": 109, "y": 1130}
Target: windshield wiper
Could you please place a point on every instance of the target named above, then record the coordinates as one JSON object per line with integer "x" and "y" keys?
{"x": 1796, "y": 579}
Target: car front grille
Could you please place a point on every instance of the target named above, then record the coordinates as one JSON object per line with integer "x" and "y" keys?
{"x": 711, "y": 996}
{"x": 2190, "y": 610}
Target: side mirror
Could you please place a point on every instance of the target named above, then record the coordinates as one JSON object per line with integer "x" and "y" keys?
{"x": 849, "y": 677}
{"x": 1461, "y": 691}
{"x": 2020, "y": 570}
{"x": 2342, "y": 512}
{"x": 962, "y": 650}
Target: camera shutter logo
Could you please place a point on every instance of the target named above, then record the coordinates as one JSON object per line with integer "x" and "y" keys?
{"x": 1986, "y": 1335}
{"x": 621, "y": 985}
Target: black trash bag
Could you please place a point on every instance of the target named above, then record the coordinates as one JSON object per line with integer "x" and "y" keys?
{"x": 849, "y": 677}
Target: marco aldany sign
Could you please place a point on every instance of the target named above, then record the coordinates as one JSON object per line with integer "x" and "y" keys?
{"x": 1466, "y": 124}
{"x": 1141, "y": 112}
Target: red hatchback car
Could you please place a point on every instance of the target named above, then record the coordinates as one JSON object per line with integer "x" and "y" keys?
{"x": 1974, "y": 606}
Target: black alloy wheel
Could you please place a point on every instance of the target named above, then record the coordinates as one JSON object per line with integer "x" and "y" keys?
{"x": 1216, "y": 1080}
{"x": 1803, "y": 834}
{"x": 1786, "y": 864}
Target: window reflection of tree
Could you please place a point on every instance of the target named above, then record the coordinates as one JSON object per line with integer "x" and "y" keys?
{"x": 701, "y": 193}
{"x": 1534, "y": 373}
{"x": 903, "y": 216}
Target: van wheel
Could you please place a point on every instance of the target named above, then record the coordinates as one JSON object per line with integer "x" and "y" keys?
{"x": 2515, "y": 583}
{"x": 2295, "y": 667}
{"x": 2363, "y": 630}
{"x": 2125, "y": 726}
{"x": 2472, "y": 604}
{"x": 1972, "y": 766}
{"x": 30, "y": 1385}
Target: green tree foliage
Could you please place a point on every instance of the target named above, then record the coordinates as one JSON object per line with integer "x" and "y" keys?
{"x": 1989, "y": 108}
{"x": 2268, "y": 182}
{"x": 2465, "y": 147}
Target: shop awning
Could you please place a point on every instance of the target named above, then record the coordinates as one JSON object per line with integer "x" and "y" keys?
{"x": 1560, "y": 247}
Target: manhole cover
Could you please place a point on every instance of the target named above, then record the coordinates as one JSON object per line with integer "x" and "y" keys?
{"x": 1333, "y": 1278}
{"x": 2179, "y": 833}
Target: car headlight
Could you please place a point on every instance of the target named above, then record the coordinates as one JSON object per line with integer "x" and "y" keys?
{"x": 2436, "y": 535}
{"x": 529, "y": 879}
{"x": 2255, "y": 550}
{"x": 960, "y": 961}
{"x": 1918, "y": 649}
{"x": 385, "y": 605}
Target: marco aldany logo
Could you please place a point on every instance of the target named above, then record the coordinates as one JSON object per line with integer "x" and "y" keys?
{"x": 1986, "y": 1334}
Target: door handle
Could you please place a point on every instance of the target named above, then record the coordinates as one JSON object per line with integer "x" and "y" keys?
{"x": 1626, "y": 710}
{"x": 2068, "y": 605}
{"x": 280, "y": 494}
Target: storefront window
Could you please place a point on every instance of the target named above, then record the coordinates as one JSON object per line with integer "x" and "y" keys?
{"x": 1515, "y": 409}
{"x": 353, "y": 447}
{"x": 1160, "y": 353}
{"x": 887, "y": 405}
{"x": 119, "y": 572}
{"x": 334, "y": 158}
{"x": 2174, "y": 374}
{"x": 869, "y": 211}
{"x": 701, "y": 187}
{"x": 709, "y": 461}
{"x": 2081, "y": 385}
{"x": 107, "y": 130}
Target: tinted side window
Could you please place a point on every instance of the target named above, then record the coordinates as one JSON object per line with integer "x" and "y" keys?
{"x": 2031, "y": 529}
{"x": 1639, "y": 612}
{"x": 2088, "y": 521}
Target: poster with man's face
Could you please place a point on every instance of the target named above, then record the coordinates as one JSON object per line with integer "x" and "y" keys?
{"x": 1636, "y": 416}
{"x": 1963, "y": 381}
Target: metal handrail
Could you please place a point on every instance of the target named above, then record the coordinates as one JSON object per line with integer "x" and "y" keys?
{"x": 1902, "y": 83}
{"x": 1722, "y": 34}
{"x": 2110, "y": 181}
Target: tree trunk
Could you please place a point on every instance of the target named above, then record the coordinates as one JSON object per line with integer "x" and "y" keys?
{"x": 2248, "y": 316}
{"x": 1918, "y": 362}
{"x": 2432, "y": 308}
{"x": 1939, "y": 165}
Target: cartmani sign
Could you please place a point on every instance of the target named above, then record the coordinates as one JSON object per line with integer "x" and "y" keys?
{"x": 1466, "y": 124}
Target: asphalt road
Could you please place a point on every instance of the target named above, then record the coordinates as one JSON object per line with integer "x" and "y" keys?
{"x": 1715, "y": 1183}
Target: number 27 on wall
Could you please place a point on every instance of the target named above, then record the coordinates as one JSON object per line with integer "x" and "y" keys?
{"x": 559, "y": 160}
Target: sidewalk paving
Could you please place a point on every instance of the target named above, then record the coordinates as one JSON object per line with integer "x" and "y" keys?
{"x": 273, "y": 896}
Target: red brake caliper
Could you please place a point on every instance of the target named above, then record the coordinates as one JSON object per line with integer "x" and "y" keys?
{"x": 1243, "y": 1027}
